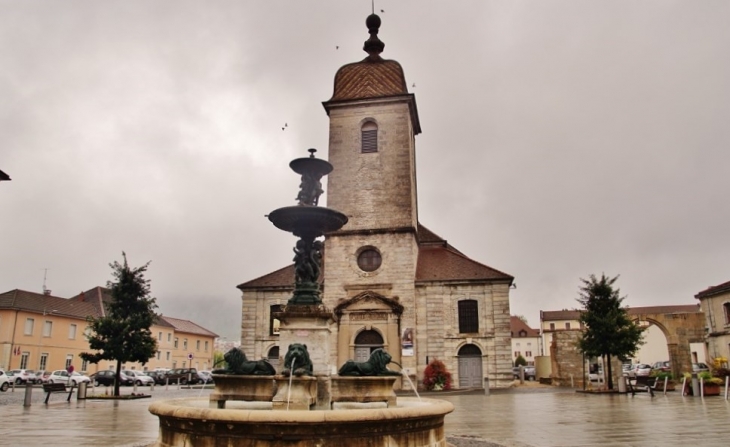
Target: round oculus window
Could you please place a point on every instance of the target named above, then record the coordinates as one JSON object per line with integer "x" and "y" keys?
{"x": 369, "y": 260}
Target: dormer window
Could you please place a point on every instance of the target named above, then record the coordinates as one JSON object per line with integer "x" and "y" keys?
{"x": 369, "y": 136}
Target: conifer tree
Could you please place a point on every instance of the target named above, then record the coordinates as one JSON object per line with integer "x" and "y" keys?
{"x": 608, "y": 329}
{"x": 123, "y": 333}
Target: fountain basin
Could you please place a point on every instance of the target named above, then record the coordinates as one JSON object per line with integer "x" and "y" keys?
{"x": 303, "y": 220}
{"x": 364, "y": 389}
{"x": 246, "y": 388}
{"x": 413, "y": 422}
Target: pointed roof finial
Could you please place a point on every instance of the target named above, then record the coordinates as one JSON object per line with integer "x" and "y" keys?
{"x": 373, "y": 46}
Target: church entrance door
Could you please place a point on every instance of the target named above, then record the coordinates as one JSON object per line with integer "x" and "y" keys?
{"x": 366, "y": 342}
{"x": 470, "y": 367}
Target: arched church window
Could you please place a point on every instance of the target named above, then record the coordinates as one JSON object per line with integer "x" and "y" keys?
{"x": 369, "y": 136}
{"x": 468, "y": 316}
{"x": 369, "y": 260}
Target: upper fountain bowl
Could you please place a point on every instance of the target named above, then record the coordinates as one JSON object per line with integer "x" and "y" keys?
{"x": 303, "y": 221}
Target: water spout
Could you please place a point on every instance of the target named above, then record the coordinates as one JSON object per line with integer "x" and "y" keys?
{"x": 405, "y": 374}
{"x": 291, "y": 376}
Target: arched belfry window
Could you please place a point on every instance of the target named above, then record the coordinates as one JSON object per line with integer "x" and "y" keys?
{"x": 369, "y": 137}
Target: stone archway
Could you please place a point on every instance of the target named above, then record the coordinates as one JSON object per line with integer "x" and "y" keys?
{"x": 679, "y": 328}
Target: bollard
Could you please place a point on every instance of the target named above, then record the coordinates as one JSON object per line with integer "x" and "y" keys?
{"x": 727, "y": 382}
{"x": 152, "y": 387}
{"x": 622, "y": 384}
{"x": 167, "y": 383}
{"x": 486, "y": 386}
{"x": 666, "y": 381}
{"x": 684, "y": 386}
{"x": 695, "y": 385}
{"x": 28, "y": 394}
{"x": 81, "y": 392}
{"x": 178, "y": 383}
{"x": 522, "y": 375}
{"x": 702, "y": 387}
{"x": 134, "y": 389}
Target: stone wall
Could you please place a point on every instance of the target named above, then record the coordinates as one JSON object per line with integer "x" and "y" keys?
{"x": 567, "y": 360}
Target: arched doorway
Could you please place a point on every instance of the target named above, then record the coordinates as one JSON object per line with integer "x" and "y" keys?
{"x": 470, "y": 366}
{"x": 273, "y": 356}
{"x": 366, "y": 342}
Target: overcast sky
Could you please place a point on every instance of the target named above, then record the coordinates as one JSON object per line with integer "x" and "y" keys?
{"x": 560, "y": 139}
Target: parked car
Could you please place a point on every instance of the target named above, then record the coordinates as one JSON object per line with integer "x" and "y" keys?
{"x": 139, "y": 377}
{"x": 42, "y": 376}
{"x": 4, "y": 381}
{"x": 205, "y": 376}
{"x": 62, "y": 376}
{"x": 699, "y": 367}
{"x": 596, "y": 376}
{"x": 158, "y": 376}
{"x": 642, "y": 369}
{"x": 529, "y": 372}
{"x": 184, "y": 375}
{"x": 629, "y": 370}
{"x": 662, "y": 366}
{"x": 106, "y": 378}
{"x": 21, "y": 376}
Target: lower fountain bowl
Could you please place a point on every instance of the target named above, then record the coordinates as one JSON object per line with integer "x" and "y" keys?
{"x": 413, "y": 422}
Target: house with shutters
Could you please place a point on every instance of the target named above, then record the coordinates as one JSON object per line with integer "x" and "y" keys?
{"x": 390, "y": 281}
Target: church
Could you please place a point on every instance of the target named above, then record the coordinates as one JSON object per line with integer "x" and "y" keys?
{"x": 389, "y": 281}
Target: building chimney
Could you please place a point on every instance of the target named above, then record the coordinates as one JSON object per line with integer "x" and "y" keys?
{"x": 46, "y": 292}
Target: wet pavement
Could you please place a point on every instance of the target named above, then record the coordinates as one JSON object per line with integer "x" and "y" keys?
{"x": 517, "y": 418}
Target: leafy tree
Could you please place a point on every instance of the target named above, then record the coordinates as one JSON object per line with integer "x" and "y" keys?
{"x": 608, "y": 329}
{"x": 123, "y": 334}
{"x": 218, "y": 360}
{"x": 520, "y": 361}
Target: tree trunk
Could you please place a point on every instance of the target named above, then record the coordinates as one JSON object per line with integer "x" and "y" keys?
{"x": 609, "y": 380}
{"x": 117, "y": 378}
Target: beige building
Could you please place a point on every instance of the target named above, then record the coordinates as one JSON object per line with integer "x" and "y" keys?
{"x": 715, "y": 303}
{"x": 390, "y": 282}
{"x": 44, "y": 332}
{"x": 526, "y": 341}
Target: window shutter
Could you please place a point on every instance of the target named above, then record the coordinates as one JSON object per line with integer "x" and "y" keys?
{"x": 370, "y": 141}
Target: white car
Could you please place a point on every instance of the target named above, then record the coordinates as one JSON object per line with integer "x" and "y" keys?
{"x": 139, "y": 377}
{"x": 4, "y": 381}
{"x": 62, "y": 376}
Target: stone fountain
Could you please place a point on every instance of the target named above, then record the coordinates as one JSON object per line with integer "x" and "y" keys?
{"x": 306, "y": 405}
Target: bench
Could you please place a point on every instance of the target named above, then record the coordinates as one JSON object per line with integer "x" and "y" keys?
{"x": 644, "y": 383}
{"x": 50, "y": 388}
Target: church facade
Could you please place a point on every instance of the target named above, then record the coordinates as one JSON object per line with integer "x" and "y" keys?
{"x": 390, "y": 282}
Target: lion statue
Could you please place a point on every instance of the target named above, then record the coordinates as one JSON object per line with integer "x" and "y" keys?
{"x": 297, "y": 361}
{"x": 238, "y": 364}
{"x": 375, "y": 366}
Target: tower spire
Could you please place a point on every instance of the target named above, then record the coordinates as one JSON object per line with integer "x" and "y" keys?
{"x": 373, "y": 46}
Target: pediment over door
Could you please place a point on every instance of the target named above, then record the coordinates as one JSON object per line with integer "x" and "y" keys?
{"x": 368, "y": 302}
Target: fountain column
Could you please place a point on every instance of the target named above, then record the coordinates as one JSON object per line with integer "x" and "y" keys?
{"x": 305, "y": 319}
